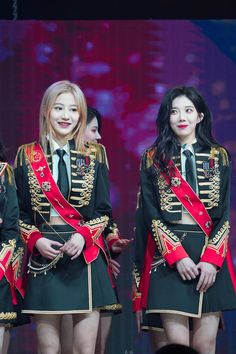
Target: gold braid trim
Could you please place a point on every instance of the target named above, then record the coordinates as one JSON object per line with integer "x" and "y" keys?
{"x": 168, "y": 235}
{"x": 8, "y": 315}
{"x": 215, "y": 151}
{"x": 98, "y": 151}
{"x": 115, "y": 307}
{"x": 136, "y": 276}
{"x": 10, "y": 174}
{"x": 102, "y": 219}
{"x": 5, "y": 249}
{"x": 17, "y": 262}
{"x": 221, "y": 235}
{"x": 114, "y": 231}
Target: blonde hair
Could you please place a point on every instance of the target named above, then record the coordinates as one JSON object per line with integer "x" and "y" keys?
{"x": 48, "y": 100}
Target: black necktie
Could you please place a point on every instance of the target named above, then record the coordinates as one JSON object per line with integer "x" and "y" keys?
{"x": 62, "y": 182}
{"x": 189, "y": 169}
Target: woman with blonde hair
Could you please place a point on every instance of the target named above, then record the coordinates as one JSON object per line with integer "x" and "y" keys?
{"x": 65, "y": 214}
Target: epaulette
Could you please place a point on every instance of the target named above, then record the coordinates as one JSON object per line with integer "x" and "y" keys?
{"x": 98, "y": 151}
{"x": 149, "y": 153}
{"x": 3, "y": 166}
{"x": 10, "y": 174}
{"x": 224, "y": 155}
{"x": 22, "y": 151}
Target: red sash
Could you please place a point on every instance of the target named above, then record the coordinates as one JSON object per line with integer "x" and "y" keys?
{"x": 189, "y": 199}
{"x": 70, "y": 215}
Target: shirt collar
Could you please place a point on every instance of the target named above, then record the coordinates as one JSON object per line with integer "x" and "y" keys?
{"x": 55, "y": 146}
{"x": 187, "y": 147}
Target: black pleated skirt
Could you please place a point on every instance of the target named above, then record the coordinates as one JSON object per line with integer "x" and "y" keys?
{"x": 70, "y": 286}
{"x": 168, "y": 293}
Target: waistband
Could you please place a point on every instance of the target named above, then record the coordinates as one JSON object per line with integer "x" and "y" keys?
{"x": 184, "y": 227}
{"x": 57, "y": 228}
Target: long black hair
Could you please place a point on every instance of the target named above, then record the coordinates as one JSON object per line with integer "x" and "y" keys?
{"x": 167, "y": 144}
{"x": 3, "y": 157}
{"x": 93, "y": 113}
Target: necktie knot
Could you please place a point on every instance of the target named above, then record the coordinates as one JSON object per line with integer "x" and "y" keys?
{"x": 60, "y": 153}
{"x": 187, "y": 153}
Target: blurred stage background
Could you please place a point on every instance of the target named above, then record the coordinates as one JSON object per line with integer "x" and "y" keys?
{"x": 124, "y": 67}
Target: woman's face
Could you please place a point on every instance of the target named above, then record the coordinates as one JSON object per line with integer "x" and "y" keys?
{"x": 184, "y": 119}
{"x": 64, "y": 117}
{"x": 91, "y": 133}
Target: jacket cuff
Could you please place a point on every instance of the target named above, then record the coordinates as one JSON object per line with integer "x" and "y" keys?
{"x": 175, "y": 255}
{"x": 210, "y": 256}
{"x": 87, "y": 234}
{"x": 34, "y": 237}
{"x": 111, "y": 239}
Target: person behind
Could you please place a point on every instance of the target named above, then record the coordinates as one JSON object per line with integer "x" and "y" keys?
{"x": 11, "y": 252}
{"x": 188, "y": 278}
{"x": 91, "y": 135}
{"x": 65, "y": 212}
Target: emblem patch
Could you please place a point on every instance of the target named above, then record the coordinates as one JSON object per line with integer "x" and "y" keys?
{"x": 175, "y": 181}
{"x": 37, "y": 156}
{"x": 46, "y": 186}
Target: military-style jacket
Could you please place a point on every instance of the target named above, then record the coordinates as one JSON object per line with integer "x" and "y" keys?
{"x": 89, "y": 193}
{"x": 11, "y": 250}
{"x": 160, "y": 205}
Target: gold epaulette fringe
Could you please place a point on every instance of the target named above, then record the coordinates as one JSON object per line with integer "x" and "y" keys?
{"x": 149, "y": 157}
{"x": 99, "y": 152}
{"x": 224, "y": 155}
{"x": 9, "y": 172}
{"x": 22, "y": 151}
{"x": 220, "y": 150}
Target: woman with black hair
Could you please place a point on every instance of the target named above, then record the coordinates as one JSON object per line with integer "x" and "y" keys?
{"x": 10, "y": 251}
{"x": 186, "y": 272}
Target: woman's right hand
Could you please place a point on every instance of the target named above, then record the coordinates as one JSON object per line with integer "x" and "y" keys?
{"x": 44, "y": 246}
{"x": 187, "y": 269}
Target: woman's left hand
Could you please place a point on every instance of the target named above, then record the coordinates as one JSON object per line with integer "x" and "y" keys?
{"x": 120, "y": 245}
{"x": 208, "y": 272}
{"x": 74, "y": 246}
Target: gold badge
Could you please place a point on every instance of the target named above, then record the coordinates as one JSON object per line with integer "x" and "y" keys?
{"x": 175, "y": 181}
{"x": 37, "y": 156}
{"x": 46, "y": 186}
